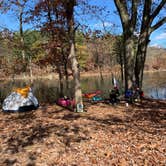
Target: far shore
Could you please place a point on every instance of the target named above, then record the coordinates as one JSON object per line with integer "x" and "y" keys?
{"x": 82, "y": 74}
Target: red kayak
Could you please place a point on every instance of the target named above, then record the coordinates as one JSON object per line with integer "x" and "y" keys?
{"x": 66, "y": 102}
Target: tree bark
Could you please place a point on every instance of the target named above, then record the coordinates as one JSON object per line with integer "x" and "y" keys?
{"x": 101, "y": 74}
{"x": 140, "y": 61}
{"x": 30, "y": 67}
{"x": 129, "y": 61}
{"x": 65, "y": 63}
{"x": 74, "y": 63}
{"x": 66, "y": 75}
{"x": 76, "y": 76}
{"x": 61, "y": 88}
{"x": 129, "y": 20}
{"x": 21, "y": 33}
{"x": 129, "y": 25}
{"x": 122, "y": 65}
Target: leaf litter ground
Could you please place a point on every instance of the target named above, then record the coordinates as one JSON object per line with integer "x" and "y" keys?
{"x": 105, "y": 135}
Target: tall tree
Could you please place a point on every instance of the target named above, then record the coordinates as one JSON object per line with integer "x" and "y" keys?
{"x": 69, "y": 6}
{"x": 56, "y": 19}
{"x": 139, "y": 20}
{"x": 52, "y": 21}
{"x": 152, "y": 10}
{"x": 18, "y": 8}
{"x": 21, "y": 6}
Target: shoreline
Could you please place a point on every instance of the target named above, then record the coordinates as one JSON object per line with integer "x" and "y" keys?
{"x": 82, "y": 74}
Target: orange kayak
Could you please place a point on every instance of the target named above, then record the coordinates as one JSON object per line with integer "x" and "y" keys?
{"x": 92, "y": 94}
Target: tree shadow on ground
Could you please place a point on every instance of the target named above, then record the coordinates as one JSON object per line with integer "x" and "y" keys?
{"x": 38, "y": 133}
{"x": 34, "y": 129}
{"x": 151, "y": 110}
{"x": 152, "y": 104}
{"x": 19, "y": 118}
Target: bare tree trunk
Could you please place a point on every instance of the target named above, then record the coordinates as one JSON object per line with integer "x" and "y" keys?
{"x": 139, "y": 66}
{"x": 23, "y": 51}
{"x": 66, "y": 75}
{"x": 129, "y": 62}
{"x": 21, "y": 33}
{"x": 129, "y": 12}
{"x": 140, "y": 59}
{"x": 76, "y": 76}
{"x": 69, "y": 6}
{"x": 65, "y": 63}
{"x": 60, "y": 80}
{"x": 101, "y": 74}
{"x": 30, "y": 67}
{"x": 122, "y": 64}
{"x": 22, "y": 36}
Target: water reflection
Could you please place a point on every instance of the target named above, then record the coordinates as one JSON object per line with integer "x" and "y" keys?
{"x": 158, "y": 93}
{"x": 47, "y": 90}
{"x": 155, "y": 85}
{"x": 44, "y": 90}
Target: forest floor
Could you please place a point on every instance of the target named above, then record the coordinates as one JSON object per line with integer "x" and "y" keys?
{"x": 105, "y": 135}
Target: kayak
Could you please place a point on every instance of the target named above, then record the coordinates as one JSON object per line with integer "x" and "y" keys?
{"x": 92, "y": 94}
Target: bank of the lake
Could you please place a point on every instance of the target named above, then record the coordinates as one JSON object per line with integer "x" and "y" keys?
{"x": 47, "y": 89}
{"x": 93, "y": 73}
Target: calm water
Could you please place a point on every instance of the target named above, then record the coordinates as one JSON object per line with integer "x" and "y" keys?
{"x": 155, "y": 85}
{"x": 47, "y": 90}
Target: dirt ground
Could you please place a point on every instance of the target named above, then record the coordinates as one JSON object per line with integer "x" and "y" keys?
{"x": 105, "y": 135}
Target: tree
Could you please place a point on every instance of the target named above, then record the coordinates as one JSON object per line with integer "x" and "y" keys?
{"x": 118, "y": 51}
{"x": 82, "y": 49}
{"x": 18, "y": 8}
{"x": 100, "y": 46}
{"x": 56, "y": 19}
{"x": 50, "y": 18}
{"x": 139, "y": 20}
{"x": 69, "y": 10}
{"x": 21, "y": 6}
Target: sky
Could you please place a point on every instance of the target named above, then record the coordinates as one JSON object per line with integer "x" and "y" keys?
{"x": 112, "y": 23}
{"x": 158, "y": 38}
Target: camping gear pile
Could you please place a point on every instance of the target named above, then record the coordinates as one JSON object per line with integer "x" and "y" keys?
{"x": 21, "y": 99}
{"x": 130, "y": 96}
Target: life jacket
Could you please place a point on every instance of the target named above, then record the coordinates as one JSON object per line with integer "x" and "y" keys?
{"x": 129, "y": 93}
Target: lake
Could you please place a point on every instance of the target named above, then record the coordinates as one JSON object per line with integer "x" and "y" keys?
{"x": 46, "y": 90}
